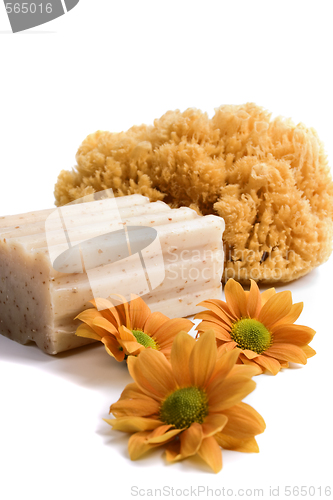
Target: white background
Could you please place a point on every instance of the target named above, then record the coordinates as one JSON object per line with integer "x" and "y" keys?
{"x": 109, "y": 64}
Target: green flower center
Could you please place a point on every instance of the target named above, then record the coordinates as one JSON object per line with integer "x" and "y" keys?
{"x": 251, "y": 334}
{"x": 144, "y": 339}
{"x": 185, "y": 406}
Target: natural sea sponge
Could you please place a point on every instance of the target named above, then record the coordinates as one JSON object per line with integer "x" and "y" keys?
{"x": 267, "y": 178}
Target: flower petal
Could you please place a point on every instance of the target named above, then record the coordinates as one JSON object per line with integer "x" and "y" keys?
{"x": 266, "y": 295}
{"x": 133, "y": 424}
{"x": 229, "y": 391}
{"x": 217, "y": 307}
{"x": 230, "y": 443}
{"x": 167, "y": 352}
{"x": 105, "y": 324}
{"x": 166, "y": 436}
{"x": 154, "y": 322}
{"x": 244, "y": 422}
{"x": 138, "y": 445}
{"x": 227, "y": 346}
{"x": 308, "y": 351}
{"x": 236, "y": 298}
{"x": 133, "y": 391}
{"x": 250, "y": 354}
{"x": 254, "y": 301}
{"x": 153, "y": 373}
{"x": 211, "y": 453}
{"x": 132, "y": 348}
{"x": 86, "y": 331}
{"x": 227, "y": 366}
{"x": 203, "y": 359}
{"x": 126, "y": 334}
{"x": 159, "y": 431}
{"x": 293, "y": 334}
{"x": 220, "y": 332}
{"x": 116, "y": 314}
{"x": 276, "y": 308}
{"x": 172, "y": 452}
{"x": 107, "y": 310}
{"x": 170, "y": 328}
{"x": 293, "y": 315}
{"x": 190, "y": 440}
{"x": 213, "y": 423}
{"x": 88, "y": 315}
{"x": 224, "y": 364}
{"x": 180, "y": 356}
{"x": 139, "y": 313}
{"x": 112, "y": 347}
{"x": 144, "y": 407}
{"x": 270, "y": 364}
{"x": 166, "y": 345}
{"x": 287, "y": 352}
{"x": 101, "y": 304}
{"x": 250, "y": 363}
{"x": 245, "y": 371}
{"x": 122, "y": 309}
{"x": 211, "y": 317}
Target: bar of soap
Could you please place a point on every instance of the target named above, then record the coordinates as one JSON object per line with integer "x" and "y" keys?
{"x": 53, "y": 262}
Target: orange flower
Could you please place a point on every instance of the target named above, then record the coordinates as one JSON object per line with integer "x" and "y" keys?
{"x": 261, "y": 325}
{"x": 129, "y": 328}
{"x": 192, "y": 404}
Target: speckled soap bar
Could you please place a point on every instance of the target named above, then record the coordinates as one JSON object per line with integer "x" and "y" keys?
{"x": 52, "y": 262}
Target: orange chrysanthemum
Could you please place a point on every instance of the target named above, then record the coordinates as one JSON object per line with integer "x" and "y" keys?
{"x": 261, "y": 325}
{"x": 129, "y": 328}
{"x": 192, "y": 404}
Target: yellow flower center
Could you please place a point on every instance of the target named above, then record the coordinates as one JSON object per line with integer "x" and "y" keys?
{"x": 144, "y": 339}
{"x": 251, "y": 334}
{"x": 185, "y": 406}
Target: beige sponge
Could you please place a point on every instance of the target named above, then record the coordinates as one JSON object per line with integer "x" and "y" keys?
{"x": 268, "y": 179}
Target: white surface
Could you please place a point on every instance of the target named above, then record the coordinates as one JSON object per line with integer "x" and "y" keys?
{"x": 119, "y": 64}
